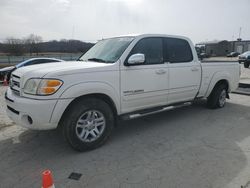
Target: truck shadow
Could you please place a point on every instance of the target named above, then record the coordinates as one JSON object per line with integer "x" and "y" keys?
{"x": 187, "y": 147}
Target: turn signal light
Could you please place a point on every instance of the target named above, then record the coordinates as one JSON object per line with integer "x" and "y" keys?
{"x": 53, "y": 83}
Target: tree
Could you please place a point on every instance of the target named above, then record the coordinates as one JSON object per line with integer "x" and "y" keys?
{"x": 14, "y": 46}
{"x": 32, "y": 42}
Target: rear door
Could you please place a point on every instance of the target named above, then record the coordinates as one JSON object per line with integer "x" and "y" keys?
{"x": 184, "y": 72}
{"x": 145, "y": 85}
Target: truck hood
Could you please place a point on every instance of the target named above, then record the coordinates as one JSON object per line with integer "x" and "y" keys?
{"x": 62, "y": 68}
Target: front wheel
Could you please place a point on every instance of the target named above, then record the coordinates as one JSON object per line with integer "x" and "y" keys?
{"x": 217, "y": 99}
{"x": 88, "y": 124}
{"x": 246, "y": 64}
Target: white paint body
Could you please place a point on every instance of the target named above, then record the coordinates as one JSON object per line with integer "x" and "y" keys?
{"x": 162, "y": 84}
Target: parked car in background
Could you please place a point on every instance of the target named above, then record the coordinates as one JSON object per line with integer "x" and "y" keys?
{"x": 33, "y": 61}
{"x": 203, "y": 55}
{"x": 5, "y": 71}
{"x": 245, "y": 58}
{"x": 233, "y": 54}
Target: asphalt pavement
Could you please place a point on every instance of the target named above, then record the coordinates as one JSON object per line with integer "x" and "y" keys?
{"x": 187, "y": 147}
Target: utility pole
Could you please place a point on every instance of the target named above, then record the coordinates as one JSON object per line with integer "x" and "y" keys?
{"x": 73, "y": 32}
{"x": 71, "y": 42}
{"x": 240, "y": 33}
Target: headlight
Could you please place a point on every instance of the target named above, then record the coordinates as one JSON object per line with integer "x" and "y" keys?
{"x": 36, "y": 86}
{"x": 31, "y": 86}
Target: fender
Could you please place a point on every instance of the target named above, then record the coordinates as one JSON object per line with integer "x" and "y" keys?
{"x": 81, "y": 89}
{"x": 85, "y": 88}
{"x": 217, "y": 76}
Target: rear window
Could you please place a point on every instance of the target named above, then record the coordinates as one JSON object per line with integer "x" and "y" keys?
{"x": 177, "y": 50}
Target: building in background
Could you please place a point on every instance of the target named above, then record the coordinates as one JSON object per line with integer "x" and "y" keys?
{"x": 223, "y": 47}
{"x": 240, "y": 46}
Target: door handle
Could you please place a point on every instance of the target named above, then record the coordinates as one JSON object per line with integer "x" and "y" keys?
{"x": 161, "y": 71}
{"x": 194, "y": 69}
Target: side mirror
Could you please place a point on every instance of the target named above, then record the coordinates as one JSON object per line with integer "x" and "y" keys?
{"x": 136, "y": 59}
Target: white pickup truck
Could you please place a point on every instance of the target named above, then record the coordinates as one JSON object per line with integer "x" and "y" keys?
{"x": 122, "y": 77}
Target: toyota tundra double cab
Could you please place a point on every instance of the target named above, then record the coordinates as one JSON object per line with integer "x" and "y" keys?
{"x": 123, "y": 77}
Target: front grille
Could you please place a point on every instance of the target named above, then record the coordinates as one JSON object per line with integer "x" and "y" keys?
{"x": 15, "y": 84}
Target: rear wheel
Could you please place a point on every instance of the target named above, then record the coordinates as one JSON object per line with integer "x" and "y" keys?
{"x": 88, "y": 124}
{"x": 217, "y": 99}
{"x": 246, "y": 64}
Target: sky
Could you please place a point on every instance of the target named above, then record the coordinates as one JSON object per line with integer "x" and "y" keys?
{"x": 91, "y": 20}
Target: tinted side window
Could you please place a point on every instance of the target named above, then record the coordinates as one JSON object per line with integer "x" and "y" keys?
{"x": 48, "y": 61}
{"x": 31, "y": 63}
{"x": 40, "y": 61}
{"x": 177, "y": 50}
{"x": 151, "y": 48}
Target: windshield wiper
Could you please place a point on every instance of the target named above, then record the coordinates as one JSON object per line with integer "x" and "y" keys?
{"x": 97, "y": 60}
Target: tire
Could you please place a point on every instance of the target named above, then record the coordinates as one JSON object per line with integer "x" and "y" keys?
{"x": 217, "y": 98}
{"x": 85, "y": 117}
{"x": 246, "y": 64}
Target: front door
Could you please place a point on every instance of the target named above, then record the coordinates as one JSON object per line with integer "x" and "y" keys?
{"x": 145, "y": 85}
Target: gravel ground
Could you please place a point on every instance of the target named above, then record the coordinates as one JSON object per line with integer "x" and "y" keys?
{"x": 4, "y": 120}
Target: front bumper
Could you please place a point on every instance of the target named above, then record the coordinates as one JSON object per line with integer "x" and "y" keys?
{"x": 34, "y": 114}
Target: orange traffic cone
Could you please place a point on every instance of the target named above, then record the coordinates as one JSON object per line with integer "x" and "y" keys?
{"x": 47, "y": 180}
{"x": 5, "y": 82}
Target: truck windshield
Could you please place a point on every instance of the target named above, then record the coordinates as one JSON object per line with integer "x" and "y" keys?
{"x": 107, "y": 50}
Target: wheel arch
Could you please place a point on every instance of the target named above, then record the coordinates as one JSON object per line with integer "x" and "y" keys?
{"x": 100, "y": 90}
{"x": 219, "y": 77}
{"x": 100, "y": 96}
{"x": 223, "y": 81}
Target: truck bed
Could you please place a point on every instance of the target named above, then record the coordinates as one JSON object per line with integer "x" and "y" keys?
{"x": 212, "y": 69}
{"x": 219, "y": 59}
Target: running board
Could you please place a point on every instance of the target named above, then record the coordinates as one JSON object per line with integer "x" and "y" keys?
{"x": 153, "y": 111}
